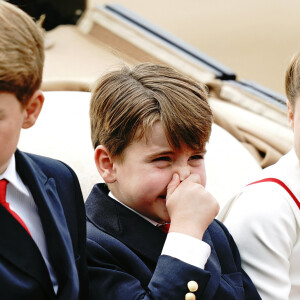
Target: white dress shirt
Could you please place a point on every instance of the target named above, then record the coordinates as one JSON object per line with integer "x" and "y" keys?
{"x": 265, "y": 223}
{"x": 21, "y": 201}
{"x": 181, "y": 246}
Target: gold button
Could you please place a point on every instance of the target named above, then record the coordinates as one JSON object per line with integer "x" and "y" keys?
{"x": 190, "y": 296}
{"x": 192, "y": 286}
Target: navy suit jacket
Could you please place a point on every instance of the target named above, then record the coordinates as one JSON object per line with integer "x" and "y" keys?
{"x": 23, "y": 272}
{"x": 125, "y": 261}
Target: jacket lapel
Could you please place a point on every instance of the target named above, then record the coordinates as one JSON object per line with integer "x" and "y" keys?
{"x": 118, "y": 221}
{"x": 21, "y": 251}
{"x": 58, "y": 239}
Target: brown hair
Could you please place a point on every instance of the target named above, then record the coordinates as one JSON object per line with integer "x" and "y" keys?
{"x": 126, "y": 103}
{"x": 292, "y": 80}
{"x": 21, "y": 52}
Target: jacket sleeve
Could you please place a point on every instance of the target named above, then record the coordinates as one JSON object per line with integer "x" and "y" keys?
{"x": 109, "y": 280}
{"x": 117, "y": 273}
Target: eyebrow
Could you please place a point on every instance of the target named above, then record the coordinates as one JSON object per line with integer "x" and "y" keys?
{"x": 160, "y": 153}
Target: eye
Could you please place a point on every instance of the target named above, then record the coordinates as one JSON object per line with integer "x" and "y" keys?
{"x": 162, "y": 158}
{"x": 196, "y": 157}
{"x": 162, "y": 161}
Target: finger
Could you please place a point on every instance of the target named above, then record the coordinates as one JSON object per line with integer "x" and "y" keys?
{"x": 173, "y": 184}
{"x": 194, "y": 178}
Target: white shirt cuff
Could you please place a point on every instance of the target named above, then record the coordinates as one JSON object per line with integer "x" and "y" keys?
{"x": 186, "y": 248}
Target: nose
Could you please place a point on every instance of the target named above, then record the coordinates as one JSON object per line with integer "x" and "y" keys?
{"x": 183, "y": 172}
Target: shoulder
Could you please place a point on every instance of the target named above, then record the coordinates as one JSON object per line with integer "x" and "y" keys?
{"x": 258, "y": 207}
{"x": 217, "y": 228}
{"x": 219, "y": 233}
{"x": 49, "y": 166}
{"x": 221, "y": 239}
{"x": 259, "y": 213}
{"x": 51, "y": 172}
{"x": 263, "y": 200}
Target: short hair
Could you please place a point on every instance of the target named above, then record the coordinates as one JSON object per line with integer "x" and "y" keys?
{"x": 21, "y": 52}
{"x": 292, "y": 80}
{"x": 126, "y": 103}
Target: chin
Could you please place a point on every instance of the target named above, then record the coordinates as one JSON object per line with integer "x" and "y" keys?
{"x": 161, "y": 218}
{"x": 166, "y": 219}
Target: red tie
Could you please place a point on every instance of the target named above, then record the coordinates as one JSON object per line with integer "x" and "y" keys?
{"x": 3, "y": 185}
{"x": 164, "y": 227}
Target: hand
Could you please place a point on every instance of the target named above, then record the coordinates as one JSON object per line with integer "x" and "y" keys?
{"x": 191, "y": 208}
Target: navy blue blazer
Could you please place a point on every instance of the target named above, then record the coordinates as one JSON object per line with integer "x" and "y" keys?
{"x": 125, "y": 261}
{"x": 23, "y": 272}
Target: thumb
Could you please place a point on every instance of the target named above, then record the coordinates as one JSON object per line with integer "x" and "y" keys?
{"x": 194, "y": 178}
{"x": 173, "y": 184}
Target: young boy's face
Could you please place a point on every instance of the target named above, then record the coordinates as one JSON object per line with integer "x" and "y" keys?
{"x": 141, "y": 179}
{"x": 12, "y": 116}
{"x": 294, "y": 119}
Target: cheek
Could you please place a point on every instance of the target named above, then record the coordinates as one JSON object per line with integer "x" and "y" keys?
{"x": 155, "y": 182}
{"x": 8, "y": 141}
{"x": 202, "y": 174}
{"x": 203, "y": 179}
{"x": 296, "y": 125}
{"x": 9, "y": 134}
{"x": 159, "y": 178}
{"x": 200, "y": 170}
{"x": 297, "y": 142}
{"x": 149, "y": 182}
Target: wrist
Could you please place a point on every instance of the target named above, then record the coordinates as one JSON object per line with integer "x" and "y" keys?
{"x": 190, "y": 229}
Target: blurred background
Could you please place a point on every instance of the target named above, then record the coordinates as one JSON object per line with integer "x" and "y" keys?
{"x": 256, "y": 39}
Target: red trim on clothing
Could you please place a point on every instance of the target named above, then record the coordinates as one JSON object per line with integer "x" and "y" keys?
{"x": 3, "y": 186}
{"x": 280, "y": 183}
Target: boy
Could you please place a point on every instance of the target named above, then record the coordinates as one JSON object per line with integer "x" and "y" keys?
{"x": 42, "y": 218}
{"x": 265, "y": 217}
{"x": 149, "y": 129}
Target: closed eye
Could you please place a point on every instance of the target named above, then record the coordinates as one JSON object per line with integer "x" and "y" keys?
{"x": 162, "y": 161}
{"x": 162, "y": 158}
{"x": 196, "y": 157}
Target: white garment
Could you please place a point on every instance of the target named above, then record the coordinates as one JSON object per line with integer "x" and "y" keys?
{"x": 181, "y": 246}
{"x": 21, "y": 201}
{"x": 264, "y": 221}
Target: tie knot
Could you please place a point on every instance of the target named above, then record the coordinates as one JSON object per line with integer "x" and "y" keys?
{"x": 164, "y": 227}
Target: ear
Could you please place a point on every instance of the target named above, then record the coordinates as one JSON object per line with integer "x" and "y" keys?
{"x": 104, "y": 164}
{"x": 290, "y": 114}
{"x": 33, "y": 109}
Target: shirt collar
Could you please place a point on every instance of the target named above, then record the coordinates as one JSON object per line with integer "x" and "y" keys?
{"x": 149, "y": 220}
{"x": 12, "y": 176}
